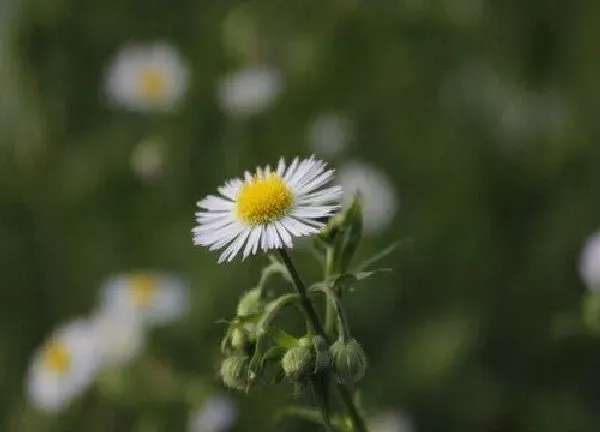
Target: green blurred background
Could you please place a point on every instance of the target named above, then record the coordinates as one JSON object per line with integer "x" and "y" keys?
{"x": 481, "y": 112}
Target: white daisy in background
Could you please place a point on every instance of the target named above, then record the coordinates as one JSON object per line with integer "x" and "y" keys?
{"x": 218, "y": 414}
{"x": 379, "y": 195}
{"x": 266, "y": 209}
{"x": 147, "y": 160}
{"x": 329, "y": 134}
{"x": 249, "y": 91}
{"x": 390, "y": 422}
{"x": 155, "y": 298}
{"x": 589, "y": 264}
{"x": 63, "y": 367}
{"x": 120, "y": 337}
{"x": 147, "y": 78}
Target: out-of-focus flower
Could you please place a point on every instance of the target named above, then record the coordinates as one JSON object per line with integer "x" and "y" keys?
{"x": 120, "y": 337}
{"x": 147, "y": 160}
{"x": 267, "y": 208}
{"x": 155, "y": 298}
{"x": 147, "y": 78}
{"x": 249, "y": 91}
{"x": 329, "y": 134}
{"x": 514, "y": 113}
{"x": 589, "y": 264}
{"x": 218, "y": 414}
{"x": 380, "y": 201}
{"x": 63, "y": 367}
{"x": 390, "y": 422}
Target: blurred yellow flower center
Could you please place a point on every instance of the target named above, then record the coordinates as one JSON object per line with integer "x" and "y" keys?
{"x": 56, "y": 357}
{"x": 143, "y": 289}
{"x": 153, "y": 84}
{"x": 263, "y": 200}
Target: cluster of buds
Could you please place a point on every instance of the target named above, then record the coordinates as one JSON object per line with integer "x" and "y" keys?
{"x": 257, "y": 351}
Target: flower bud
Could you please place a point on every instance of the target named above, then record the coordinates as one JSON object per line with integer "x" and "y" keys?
{"x": 234, "y": 372}
{"x": 298, "y": 361}
{"x": 251, "y": 303}
{"x": 348, "y": 361}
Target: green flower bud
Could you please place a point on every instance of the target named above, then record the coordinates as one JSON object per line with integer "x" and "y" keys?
{"x": 330, "y": 232}
{"x": 298, "y": 361}
{"x": 234, "y": 372}
{"x": 348, "y": 361}
{"x": 251, "y": 303}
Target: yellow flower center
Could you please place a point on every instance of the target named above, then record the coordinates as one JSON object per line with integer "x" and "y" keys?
{"x": 264, "y": 199}
{"x": 56, "y": 357}
{"x": 153, "y": 84}
{"x": 143, "y": 289}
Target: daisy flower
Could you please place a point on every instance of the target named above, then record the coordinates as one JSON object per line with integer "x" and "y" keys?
{"x": 147, "y": 78}
{"x": 249, "y": 91}
{"x": 154, "y": 298}
{"x": 267, "y": 209}
{"x": 63, "y": 367}
{"x": 379, "y": 195}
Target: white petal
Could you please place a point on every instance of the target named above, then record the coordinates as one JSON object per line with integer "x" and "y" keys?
{"x": 281, "y": 167}
{"x": 284, "y": 234}
{"x": 252, "y": 241}
{"x": 331, "y": 194}
{"x": 212, "y": 202}
{"x": 274, "y": 237}
{"x": 235, "y": 246}
{"x": 312, "y": 211}
{"x": 291, "y": 169}
{"x": 319, "y": 181}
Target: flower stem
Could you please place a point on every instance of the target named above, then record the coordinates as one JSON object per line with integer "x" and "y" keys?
{"x": 345, "y": 394}
{"x": 329, "y": 307}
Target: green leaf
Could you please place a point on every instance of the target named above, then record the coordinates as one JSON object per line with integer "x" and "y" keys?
{"x": 381, "y": 254}
{"x": 282, "y": 338}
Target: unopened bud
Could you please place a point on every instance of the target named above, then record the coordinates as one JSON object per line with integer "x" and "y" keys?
{"x": 234, "y": 372}
{"x": 298, "y": 361}
{"x": 348, "y": 361}
{"x": 251, "y": 303}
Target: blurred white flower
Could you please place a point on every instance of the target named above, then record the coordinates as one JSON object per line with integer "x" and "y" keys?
{"x": 379, "y": 195}
{"x": 63, "y": 367}
{"x": 589, "y": 264}
{"x": 120, "y": 337}
{"x": 154, "y": 298}
{"x": 218, "y": 414}
{"x": 249, "y": 91}
{"x": 147, "y": 160}
{"x": 513, "y": 112}
{"x": 329, "y": 134}
{"x": 390, "y": 422}
{"x": 147, "y": 78}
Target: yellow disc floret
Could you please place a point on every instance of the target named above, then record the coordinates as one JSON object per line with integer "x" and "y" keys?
{"x": 143, "y": 289}
{"x": 152, "y": 84}
{"x": 264, "y": 199}
{"x": 56, "y": 357}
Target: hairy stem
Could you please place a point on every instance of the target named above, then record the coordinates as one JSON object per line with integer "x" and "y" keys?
{"x": 345, "y": 394}
{"x": 329, "y": 307}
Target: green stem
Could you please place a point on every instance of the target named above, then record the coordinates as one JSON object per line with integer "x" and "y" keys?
{"x": 329, "y": 308}
{"x": 345, "y": 394}
{"x": 322, "y": 405}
